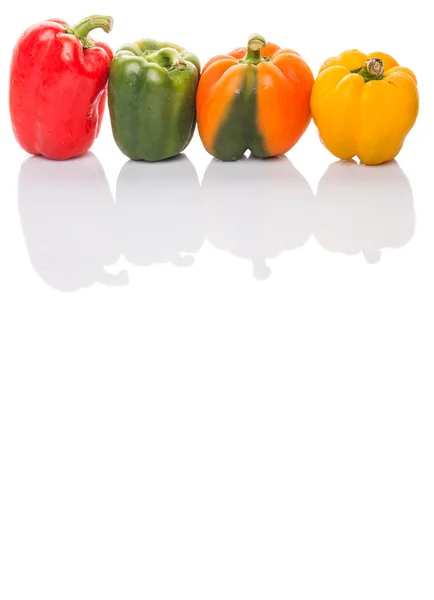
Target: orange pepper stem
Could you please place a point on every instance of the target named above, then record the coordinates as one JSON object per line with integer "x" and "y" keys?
{"x": 254, "y": 46}
{"x": 372, "y": 70}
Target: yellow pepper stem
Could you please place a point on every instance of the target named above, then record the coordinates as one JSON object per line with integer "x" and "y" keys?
{"x": 372, "y": 70}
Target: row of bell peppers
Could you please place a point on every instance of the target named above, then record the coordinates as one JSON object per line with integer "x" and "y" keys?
{"x": 259, "y": 97}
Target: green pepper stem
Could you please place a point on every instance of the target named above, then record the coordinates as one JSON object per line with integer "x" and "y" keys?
{"x": 82, "y": 29}
{"x": 168, "y": 58}
{"x": 372, "y": 70}
{"x": 254, "y": 46}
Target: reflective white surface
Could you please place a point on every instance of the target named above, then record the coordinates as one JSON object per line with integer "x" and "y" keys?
{"x": 69, "y": 222}
{"x": 253, "y": 209}
{"x": 360, "y": 209}
{"x": 257, "y": 209}
{"x": 216, "y": 379}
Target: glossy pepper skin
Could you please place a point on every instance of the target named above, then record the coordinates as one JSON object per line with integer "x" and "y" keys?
{"x": 58, "y": 87}
{"x": 254, "y": 98}
{"x": 152, "y": 91}
{"x": 364, "y": 105}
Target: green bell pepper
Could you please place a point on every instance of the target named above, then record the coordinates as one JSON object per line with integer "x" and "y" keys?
{"x": 152, "y": 99}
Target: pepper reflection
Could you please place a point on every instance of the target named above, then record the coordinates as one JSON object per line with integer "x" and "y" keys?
{"x": 256, "y": 209}
{"x": 158, "y": 212}
{"x": 69, "y": 222}
{"x": 363, "y": 209}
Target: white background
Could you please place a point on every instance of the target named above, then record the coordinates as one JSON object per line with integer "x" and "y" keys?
{"x": 196, "y": 431}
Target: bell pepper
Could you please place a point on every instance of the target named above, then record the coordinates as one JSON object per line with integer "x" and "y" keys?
{"x": 363, "y": 210}
{"x": 254, "y": 98}
{"x": 364, "y": 106}
{"x": 58, "y": 86}
{"x": 152, "y": 91}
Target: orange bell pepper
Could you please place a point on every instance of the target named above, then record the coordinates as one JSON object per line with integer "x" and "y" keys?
{"x": 254, "y": 98}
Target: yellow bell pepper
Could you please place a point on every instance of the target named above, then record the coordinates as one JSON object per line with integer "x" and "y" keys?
{"x": 364, "y": 105}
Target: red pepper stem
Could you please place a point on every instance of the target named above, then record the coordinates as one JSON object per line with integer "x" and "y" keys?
{"x": 82, "y": 29}
{"x": 254, "y": 46}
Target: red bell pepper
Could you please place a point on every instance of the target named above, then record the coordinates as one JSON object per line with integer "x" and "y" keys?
{"x": 58, "y": 87}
